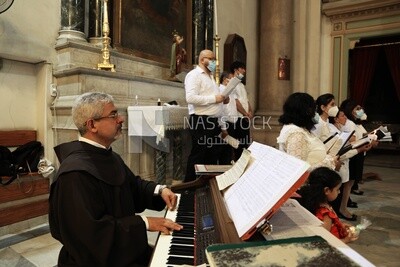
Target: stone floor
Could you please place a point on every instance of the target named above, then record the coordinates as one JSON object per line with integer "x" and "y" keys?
{"x": 379, "y": 243}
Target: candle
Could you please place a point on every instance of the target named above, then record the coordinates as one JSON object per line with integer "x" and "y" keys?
{"x": 215, "y": 17}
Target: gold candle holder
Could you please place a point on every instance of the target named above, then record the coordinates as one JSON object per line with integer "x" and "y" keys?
{"x": 217, "y": 70}
{"x": 105, "y": 52}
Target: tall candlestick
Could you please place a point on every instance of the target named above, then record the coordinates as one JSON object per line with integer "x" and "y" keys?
{"x": 215, "y": 17}
{"x": 106, "y": 65}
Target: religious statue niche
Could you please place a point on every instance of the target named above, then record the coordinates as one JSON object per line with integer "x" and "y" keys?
{"x": 284, "y": 69}
{"x": 143, "y": 28}
{"x": 178, "y": 55}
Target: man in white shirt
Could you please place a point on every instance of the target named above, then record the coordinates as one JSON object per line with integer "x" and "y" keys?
{"x": 228, "y": 120}
{"x": 205, "y": 106}
{"x": 245, "y": 112}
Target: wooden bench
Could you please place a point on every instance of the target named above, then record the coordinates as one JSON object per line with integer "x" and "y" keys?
{"x": 27, "y": 196}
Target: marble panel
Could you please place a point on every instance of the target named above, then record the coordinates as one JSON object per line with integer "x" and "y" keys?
{"x": 88, "y": 59}
{"x": 41, "y": 251}
{"x": 115, "y": 87}
{"x": 10, "y": 258}
{"x": 20, "y": 226}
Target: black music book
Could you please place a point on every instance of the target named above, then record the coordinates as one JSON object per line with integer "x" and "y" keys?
{"x": 337, "y": 145}
{"x": 330, "y": 138}
{"x": 354, "y": 145}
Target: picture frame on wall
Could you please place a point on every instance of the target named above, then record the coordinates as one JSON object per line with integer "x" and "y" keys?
{"x": 145, "y": 28}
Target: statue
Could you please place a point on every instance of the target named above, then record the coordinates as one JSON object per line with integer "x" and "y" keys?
{"x": 178, "y": 55}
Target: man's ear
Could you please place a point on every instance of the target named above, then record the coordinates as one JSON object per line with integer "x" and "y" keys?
{"x": 91, "y": 127}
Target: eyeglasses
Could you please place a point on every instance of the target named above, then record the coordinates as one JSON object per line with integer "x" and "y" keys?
{"x": 114, "y": 116}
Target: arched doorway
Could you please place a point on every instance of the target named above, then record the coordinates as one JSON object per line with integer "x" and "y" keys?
{"x": 374, "y": 80}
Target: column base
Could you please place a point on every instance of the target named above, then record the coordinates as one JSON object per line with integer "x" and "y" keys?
{"x": 65, "y": 35}
{"x": 97, "y": 41}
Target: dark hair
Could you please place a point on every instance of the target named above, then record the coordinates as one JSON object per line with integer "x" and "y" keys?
{"x": 347, "y": 106}
{"x": 324, "y": 99}
{"x": 312, "y": 193}
{"x": 224, "y": 75}
{"x": 237, "y": 64}
{"x": 299, "y": 109}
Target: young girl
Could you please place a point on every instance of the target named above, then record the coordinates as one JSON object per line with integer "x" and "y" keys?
{"x": 342, "y": 201}
{"x": 322, "y": 187}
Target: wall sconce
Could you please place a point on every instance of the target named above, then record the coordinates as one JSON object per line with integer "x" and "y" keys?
{"x": 284, "y": 69}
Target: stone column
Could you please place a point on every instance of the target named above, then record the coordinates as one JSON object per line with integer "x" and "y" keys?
{"x": 95, "y": 22}
{"x": 72, "y": 20}
{"x": 276, "y": 33}
{"x": 198, "y": 29}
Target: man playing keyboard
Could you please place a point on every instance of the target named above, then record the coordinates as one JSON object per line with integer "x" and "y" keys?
{"x": 95, "y": 197}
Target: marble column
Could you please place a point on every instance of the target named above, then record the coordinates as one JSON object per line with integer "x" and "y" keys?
{"x": 276, "y": 34}
{"x": 202, "y": 30}
{"x": 72, "y": 20}
{"x": 95, "y": 22}
{"x": 209, "y": 24}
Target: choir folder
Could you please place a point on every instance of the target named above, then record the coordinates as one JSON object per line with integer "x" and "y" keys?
{"x": 267, "y": 183}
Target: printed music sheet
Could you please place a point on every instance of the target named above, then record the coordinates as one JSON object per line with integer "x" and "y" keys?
{"x": 231, "y": 86}
{"x": 266, "y": 182}
{"x": 233, "y": 174}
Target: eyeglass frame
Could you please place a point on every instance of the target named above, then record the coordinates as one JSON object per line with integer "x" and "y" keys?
{"x": 114, "y": 115}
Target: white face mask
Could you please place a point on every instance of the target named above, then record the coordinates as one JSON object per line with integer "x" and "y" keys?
{"x": 359, "y": 113}
{"x": 363, "y": 117}
{"x": 315, "y": 119}
{"x": 333, "y": 111}
{"x": 240, "y": 76}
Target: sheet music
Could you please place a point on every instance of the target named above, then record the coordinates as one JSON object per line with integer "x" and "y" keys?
{"x": 230, "y": 86}
{"x": 261, "y": 186}
{"x": 233, "y": 174}
{"x": 292, "y": 214}
{"x": 340, "y": 143}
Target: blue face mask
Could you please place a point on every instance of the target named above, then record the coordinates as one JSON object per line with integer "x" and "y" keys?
{"x": 211, "y": 65}
{"x": 359, "y": 113}
{"x": 315, "y": 119}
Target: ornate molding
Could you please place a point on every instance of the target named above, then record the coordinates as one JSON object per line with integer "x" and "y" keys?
{"x": 352, "y": 10}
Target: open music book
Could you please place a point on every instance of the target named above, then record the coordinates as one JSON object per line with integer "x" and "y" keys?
{"x": 356, "y": 144}
{"x": 382, "y": 134}
{"x": 265, "y": 185}
{"x": 336, "y": 144}
{"x": 231, "y": 86}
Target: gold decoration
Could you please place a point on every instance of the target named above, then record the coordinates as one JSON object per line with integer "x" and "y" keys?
{"x": 217, "y": 70}
{"x": 106, "y": 65}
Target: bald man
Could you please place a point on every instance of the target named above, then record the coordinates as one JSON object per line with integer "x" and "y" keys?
{"x": 205, "y": 106}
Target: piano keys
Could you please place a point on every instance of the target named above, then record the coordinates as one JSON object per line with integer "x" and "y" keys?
{"x": 177, "y": 248}
{"x": 205, "y": 221}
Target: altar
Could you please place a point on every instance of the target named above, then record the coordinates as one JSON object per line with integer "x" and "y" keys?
{"x": 161, "y": 128}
